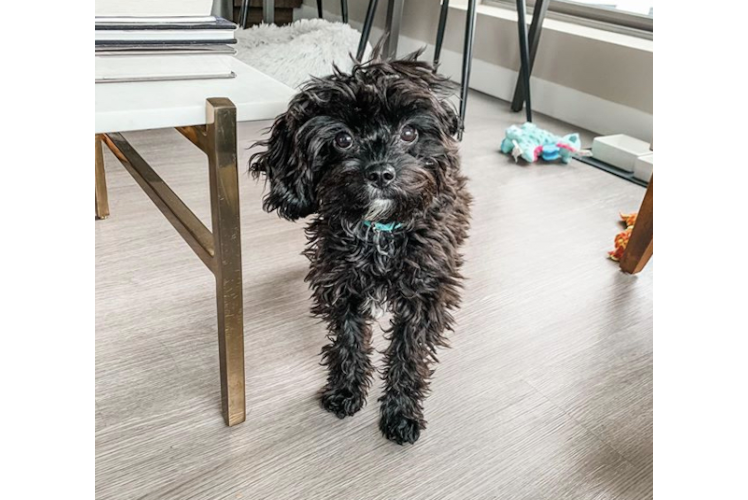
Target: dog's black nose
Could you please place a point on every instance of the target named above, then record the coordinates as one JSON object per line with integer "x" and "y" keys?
{"x": 380, "y": 174}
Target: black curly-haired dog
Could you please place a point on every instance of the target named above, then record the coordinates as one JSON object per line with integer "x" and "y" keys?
{"x": 373, "y": 154}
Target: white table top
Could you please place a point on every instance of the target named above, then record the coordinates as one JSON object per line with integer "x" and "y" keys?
{"x": 121, "y": 107}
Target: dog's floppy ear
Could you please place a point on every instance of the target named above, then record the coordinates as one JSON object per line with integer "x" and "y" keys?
{"x": 450, "y": 118}
{"x": 287, "y": 169}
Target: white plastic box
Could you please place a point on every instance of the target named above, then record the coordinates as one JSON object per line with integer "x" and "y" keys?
{"x": 619, "y": 150}
{"x": 643, "y": 167}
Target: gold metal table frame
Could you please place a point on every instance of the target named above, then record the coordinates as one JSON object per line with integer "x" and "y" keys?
{"x": 220, "y": 250}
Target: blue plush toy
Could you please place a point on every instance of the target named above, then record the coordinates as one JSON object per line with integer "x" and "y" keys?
{"x": 530, "y": 143}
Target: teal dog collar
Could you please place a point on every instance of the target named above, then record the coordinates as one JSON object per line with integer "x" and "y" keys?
{"x": 385, "y": 227}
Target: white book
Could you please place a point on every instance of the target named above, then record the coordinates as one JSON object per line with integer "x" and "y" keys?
{"x": 164, "y": 36}
{"x": 163, "y": 49}
{"x": 155, "y": 20}
{"x": 143, "y": 8}
{"x": 162, "y": 67}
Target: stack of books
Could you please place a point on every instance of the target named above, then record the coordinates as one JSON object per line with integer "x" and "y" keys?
{"x": 142, "y": 40}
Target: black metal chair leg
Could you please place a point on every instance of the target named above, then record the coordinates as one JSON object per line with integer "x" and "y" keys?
{"x": 344, "y": 10}
{"x": 536, "y": 28}
{"x": 319, "y": 9}
{"x": 467, "y": 61}
{"x": 243, "y": 14}
{"x": 366, "y": 30}
{"x": 440, "y": 32}
{"x": 524, "y": 55}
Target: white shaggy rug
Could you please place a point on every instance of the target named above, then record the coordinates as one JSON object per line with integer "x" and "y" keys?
{"x": 293, "y": 53}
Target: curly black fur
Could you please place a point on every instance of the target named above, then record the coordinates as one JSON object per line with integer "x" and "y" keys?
{"x": 414, "y": 269}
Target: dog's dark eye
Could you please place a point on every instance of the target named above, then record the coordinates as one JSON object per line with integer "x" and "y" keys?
{"x": 408, "y": 134}
{"x": 343, "y": 140}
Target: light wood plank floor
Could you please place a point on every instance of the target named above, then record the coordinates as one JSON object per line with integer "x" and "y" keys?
{"x": 546, "y": 393}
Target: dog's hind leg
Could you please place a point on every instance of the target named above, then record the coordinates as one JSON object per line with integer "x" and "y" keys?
{"x": 348, "y": 359}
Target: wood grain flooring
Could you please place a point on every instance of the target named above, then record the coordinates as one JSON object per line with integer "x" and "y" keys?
{"x": 546, "y": 393}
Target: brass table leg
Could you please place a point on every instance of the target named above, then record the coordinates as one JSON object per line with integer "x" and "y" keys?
{"x": 641, "y": 243}
{"x": 219, "y": 249}
{"x": 224, "y": 200}
{"x": 102, "y": 199}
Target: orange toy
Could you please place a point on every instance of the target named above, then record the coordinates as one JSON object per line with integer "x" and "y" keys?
{"x": 622, "y": 238}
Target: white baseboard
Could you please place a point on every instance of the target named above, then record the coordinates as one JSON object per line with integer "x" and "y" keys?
{"x": 563, "y": 103}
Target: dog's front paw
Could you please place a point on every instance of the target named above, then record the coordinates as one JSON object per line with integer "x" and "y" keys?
{"x": 342, "y": 402}
{"x": 401, "y": 429}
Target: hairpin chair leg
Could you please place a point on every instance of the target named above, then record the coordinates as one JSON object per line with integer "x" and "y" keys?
{"x": 243, "y": 12}
{"x": 102, "y": 198}
{"x": 524, "y": 55}
{"x": 319, "y": 9}
{"x": 536, "y": 28}
{"x": 366, "y": 30}
{"x": 344, "y": 10}
{"x": 467, "y": 61}
{"x": 394, "y": 18}
{"x": 440, "y": 32}
{"x": 641, "y": 243}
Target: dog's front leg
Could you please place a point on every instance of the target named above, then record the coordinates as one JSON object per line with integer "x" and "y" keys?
{"x": 417, "y": 327}
{"x": 347, "y": 358}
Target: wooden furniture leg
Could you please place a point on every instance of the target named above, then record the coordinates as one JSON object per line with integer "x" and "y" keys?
{"x": 102, "y": 198}
{"x": 641, "y": 244}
